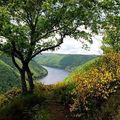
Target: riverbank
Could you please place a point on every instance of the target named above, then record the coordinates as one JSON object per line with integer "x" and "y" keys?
{"x": 63, "y": 61}
{"x": 54, "y": 75}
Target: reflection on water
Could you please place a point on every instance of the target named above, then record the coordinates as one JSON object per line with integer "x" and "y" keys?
{"x": 54, "y": 75}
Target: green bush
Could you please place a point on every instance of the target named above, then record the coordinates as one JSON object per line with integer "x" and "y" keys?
{"x": 43, "y": 114}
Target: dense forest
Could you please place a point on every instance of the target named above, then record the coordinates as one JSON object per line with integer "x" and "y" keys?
{"x": 28, "y": 28}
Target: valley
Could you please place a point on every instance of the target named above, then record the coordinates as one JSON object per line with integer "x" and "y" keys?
{"x": 59, "y": 59}
{"x": 64, "y": 61}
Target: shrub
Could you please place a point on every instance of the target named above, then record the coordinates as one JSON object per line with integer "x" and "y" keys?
{"x": 93, "y": 86}
{"x": 3, "y": 100}
{"x": 96, "y": 85}
{"x": 14, "y": 105}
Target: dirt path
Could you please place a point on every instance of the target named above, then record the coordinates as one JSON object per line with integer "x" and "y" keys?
{"x": 57, "y": 110}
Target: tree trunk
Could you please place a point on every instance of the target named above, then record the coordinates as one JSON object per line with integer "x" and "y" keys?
{"x": 23, "y": 82}
{"x": 30, "y": 79}
{"x": 22, "y": 75}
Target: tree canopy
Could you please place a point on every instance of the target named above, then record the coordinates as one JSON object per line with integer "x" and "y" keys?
{"x": 111, "y": 26}
{"x": 111, "y": 40}
{"x": 32, "y": 22}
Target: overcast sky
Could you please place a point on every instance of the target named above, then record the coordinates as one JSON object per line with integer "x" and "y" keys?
{"x": 71, "y": 46}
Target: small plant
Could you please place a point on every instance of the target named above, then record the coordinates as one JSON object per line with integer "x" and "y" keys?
{"x": 43, "y": 114}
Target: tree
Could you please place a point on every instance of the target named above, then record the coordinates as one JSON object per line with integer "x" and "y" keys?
{"x": 30, "y": 27}
{"x": 111, "y": 26}
{"x": 111, "y": 40}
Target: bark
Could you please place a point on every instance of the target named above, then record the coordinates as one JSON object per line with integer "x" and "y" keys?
{"x": 22, "y": 75}
{"x": 23, "y": 82}
{"x": 30, "y": 79}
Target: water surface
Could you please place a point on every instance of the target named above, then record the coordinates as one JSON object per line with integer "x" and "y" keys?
{"x": 54, "y": 75}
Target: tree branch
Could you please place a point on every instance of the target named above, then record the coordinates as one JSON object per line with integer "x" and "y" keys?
{"x": 14, "y": 61}
{"x": 54, "y": 46}
{"x": 50, "y": 47}
{"x": 18, "y": 53}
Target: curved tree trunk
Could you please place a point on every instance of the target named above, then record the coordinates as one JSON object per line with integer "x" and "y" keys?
{"x": 30, "y": 79}
{"x": 22, "y": 75}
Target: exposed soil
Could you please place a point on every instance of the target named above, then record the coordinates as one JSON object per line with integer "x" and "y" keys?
{"x": 57, "y": 109}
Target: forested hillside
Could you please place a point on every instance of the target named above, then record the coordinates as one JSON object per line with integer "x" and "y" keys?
{"x": 9, "y": 75}
{"x": 64, "y": 61}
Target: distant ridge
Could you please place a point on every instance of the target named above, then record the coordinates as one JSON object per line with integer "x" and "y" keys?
{"x": 63, "y": 61}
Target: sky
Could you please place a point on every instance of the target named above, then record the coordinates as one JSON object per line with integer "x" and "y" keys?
{"x": 72, "y": 46}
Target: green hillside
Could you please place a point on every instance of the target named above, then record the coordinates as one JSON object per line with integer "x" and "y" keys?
{"x": 82, "y": 69}
{"x": 9, "y": 75}
{"x": 68, "y": 62}
{"x": 93, "y": 89}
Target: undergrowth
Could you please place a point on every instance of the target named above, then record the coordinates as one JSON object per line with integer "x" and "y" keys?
{"x": 93, "y": 87}
{"x": 15, "y": 106}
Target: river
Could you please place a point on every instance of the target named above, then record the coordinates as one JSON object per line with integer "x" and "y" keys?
{"x": 54, "y": 75}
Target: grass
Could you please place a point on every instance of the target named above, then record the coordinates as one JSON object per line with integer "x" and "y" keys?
{"x": 15, "y": 106}
{"x": 43, "y": 114}
{"x": 118, "y": 115}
